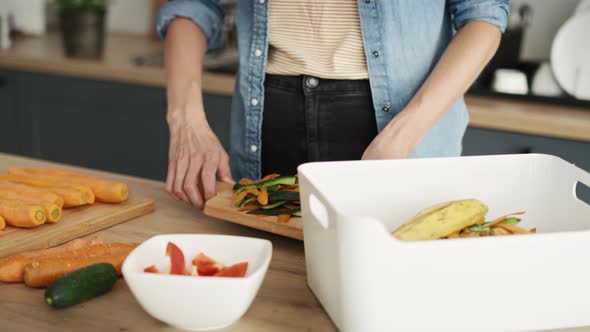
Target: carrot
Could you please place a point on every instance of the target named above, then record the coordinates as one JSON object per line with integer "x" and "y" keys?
{"x": 500, "y": 231}
{"x": 87, "y": 193}
{"x": 283, "y": 218}
{"x": 89, "y": 250}
{"x": 41, "y": 273}
{"x": 513, "y": 229}
{"x": 245, "y": 181}
{"x": 30, "y": 191}
{"x": 502, "y": 218}
{"x": 453, "y": 235}
{"x": 263, "y": 196}
{"x": 240, "y": 197}
{"x": 72, "y": 245}
{"x": 104, "y": 190}
{"x": 12, "y": 267}
{"x": 291, "y": 188}
{"x": 249, "y": 208}
{"x": 71, "y": 196}
{"x": 468, "y": 234}
{"x": 52, "y": 211}
{"x": 19, "y": 214}
{"x": 269, "y": 177}
{"x": 253, "y": 191}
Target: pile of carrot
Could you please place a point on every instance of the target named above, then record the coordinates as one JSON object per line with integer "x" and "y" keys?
{"x": 41, "y": 267}
{"x": 30, "y": 197}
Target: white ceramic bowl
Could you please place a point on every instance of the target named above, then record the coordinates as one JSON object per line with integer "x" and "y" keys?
{"x": 192, "y": 302}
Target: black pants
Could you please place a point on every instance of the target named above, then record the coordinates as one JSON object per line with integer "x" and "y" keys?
{"x": 310, "y": 119}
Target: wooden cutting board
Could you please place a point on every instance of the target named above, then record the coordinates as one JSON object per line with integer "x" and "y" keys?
{"x": 75, "y": 223}
{"x": 221, "y": 207}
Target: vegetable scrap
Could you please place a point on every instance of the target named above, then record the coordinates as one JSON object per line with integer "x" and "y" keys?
{"x": 272, "y": 195}
{"x": 202, "y": 265}
{"x": 458, "y": 219}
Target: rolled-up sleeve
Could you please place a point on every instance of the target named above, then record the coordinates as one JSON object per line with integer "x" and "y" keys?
{"x": 492, "y": 11}
{"x": 207, "y": 14}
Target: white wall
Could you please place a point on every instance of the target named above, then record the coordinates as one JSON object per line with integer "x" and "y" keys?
{"x": 132, "y": 16}
{"x": 33, "y": 16}
{"x": 29, "y": 15}
{"x": 547, "y": 17}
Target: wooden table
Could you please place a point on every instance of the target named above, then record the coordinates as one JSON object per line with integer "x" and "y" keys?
{"x": 284, "y": 302}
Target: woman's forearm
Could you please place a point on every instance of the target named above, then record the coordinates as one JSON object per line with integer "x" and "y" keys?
{"x": 184, "y": 54}
{"x": 468, "y": 53}
{"x": 196, "y": 156}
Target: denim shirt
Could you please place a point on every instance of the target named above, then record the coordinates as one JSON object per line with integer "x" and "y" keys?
{"x": 403, "y": 40}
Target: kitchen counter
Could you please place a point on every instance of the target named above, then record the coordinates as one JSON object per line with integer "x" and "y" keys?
{"x": 45, "y": 55}
{"x": 284, "y": 302}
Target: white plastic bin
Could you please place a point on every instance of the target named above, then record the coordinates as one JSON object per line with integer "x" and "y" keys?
{"x": 369, "y": 281}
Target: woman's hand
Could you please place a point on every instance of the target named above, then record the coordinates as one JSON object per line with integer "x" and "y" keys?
{"x": 196, "y": 159}
{"x": 398, "y": 139}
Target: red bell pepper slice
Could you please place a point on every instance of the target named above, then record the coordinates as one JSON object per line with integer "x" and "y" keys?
{"x": 151, "y": 269}
{"x": 206, "y": 266}
{"x": 234, "y": 271}
{"x": 176, "y": 259}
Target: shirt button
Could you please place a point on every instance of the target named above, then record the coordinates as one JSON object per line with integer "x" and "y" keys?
{"x": 253, "y": 148}
{"x": 258, "y": 52}
{"x": 367, "y": 1}
{"x": 375, "y": 54}
{"x": 385, "y": 109}
{"x": 254, "y": 102}
{"x": 261, "y": 2}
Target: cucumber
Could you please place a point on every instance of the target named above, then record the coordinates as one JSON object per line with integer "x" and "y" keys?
{"x": 246, "y": 201}
{"x": 274, "y": 187}
{"x": 276, "y": 212}
{"x": 288, "y": 196}
{"x": 273, "y": 205}
{"x": 284, "y": 180}
{"x": 81, "y": 285}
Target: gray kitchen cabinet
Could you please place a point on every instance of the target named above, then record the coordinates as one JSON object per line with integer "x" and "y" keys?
{"x": 488, "y": 142}
{"x": 484, "y": 141}
{"x": 104, "y": 125}
{"x": 99, "y": 124}
{"x": 10, "y": 135}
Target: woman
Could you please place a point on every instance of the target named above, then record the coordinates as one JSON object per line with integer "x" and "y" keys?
{"x": 323, "y": 80}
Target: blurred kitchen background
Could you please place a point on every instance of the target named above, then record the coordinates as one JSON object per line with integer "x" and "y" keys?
{"x": 88, "y": 88}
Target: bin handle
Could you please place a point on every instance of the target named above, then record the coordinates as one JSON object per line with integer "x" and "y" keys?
{"x": 582, "y": 179}
{"x": 319, "y": 210}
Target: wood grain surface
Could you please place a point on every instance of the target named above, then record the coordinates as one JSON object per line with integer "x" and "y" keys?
{"x": 221, "y": 207}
